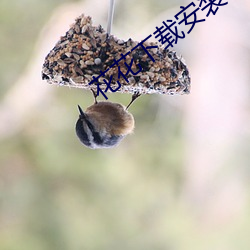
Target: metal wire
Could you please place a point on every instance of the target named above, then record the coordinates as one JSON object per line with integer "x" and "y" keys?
{"x": 110, "y": 15}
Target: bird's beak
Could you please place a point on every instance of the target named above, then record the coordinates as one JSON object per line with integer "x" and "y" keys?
{"x": 82, "y": 115}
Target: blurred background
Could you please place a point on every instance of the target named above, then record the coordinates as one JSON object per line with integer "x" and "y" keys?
{"x": 180, "y": 182}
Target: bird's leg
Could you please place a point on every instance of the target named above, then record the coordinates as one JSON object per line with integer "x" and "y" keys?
{"x": 94, "y": 94}
{"x": 134, "y": 97}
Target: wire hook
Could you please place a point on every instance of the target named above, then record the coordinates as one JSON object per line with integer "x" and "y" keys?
{"x": 110, "y": 16}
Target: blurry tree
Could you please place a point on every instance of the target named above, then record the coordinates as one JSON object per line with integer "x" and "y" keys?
{"x": 180, "y": 182}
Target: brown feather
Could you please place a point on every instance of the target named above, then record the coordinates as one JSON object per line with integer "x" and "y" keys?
{"x": 111, "y": 117}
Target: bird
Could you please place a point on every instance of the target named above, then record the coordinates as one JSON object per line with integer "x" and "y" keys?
{"x": 104, "y": 124}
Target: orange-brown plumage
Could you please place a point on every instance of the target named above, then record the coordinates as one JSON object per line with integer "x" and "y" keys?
{"x": 104, "y": 124}
{"x": 112, "y": 118}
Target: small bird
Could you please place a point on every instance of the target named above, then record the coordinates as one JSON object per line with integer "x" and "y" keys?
{"x": 104, "y": 124}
